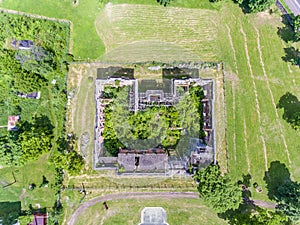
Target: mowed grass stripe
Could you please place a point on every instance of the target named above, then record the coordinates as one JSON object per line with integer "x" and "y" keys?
{"x": 278, "y": 71}
{"x": 265, "y": 102}
{"x": 272, "y": 97}
{"x": 246, "y": 105}
{"x": 257, "y": 106}
{"x": 193, "y": 29}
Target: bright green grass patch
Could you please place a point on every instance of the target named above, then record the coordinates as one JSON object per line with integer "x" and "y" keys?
{"x": 179, "y": 211}
{"x": 26, "y": 175}
{"x": 86, "y": 43}
{"x": 148, "y": 31}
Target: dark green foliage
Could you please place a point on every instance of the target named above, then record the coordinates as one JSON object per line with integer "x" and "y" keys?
{"x": 275, "y": 177}
{"x": 35, "y": 137}
{"x": 26, "y": 82}
{"x": 249, "y": 214}
{"x": 289, "y": 200}
{"x": 260, "y": 5}
{"x": 67, "y": 157}
{"x": 296, "y": 25}
{"x": 218, "y": 191}
{"x": 282, "y": 189}
{"x": 164, "y": 2}
{"x": 10, "y": 150}
{"x": 291, "y": 106}
{"x": 254, "y": 6}
{"x": 292, "y": 55}
{"x": 9, "y": 212}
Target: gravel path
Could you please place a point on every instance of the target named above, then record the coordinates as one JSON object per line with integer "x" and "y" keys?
{"x": 129, "y": 195}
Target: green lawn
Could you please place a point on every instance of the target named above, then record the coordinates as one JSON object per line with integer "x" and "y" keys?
{"x": 26, "y": 175}
{"x": 135, "y": 33}
{"x": 179, "y": 211}
{"x": 249, "y": 125}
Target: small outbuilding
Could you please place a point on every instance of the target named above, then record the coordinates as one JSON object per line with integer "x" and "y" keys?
{"x": 22, "y": 44}
{"x": 12, "y": 122}
{"x": 153, "y": 216}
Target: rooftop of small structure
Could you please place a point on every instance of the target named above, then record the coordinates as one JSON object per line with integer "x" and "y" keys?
{"x": 153, "y": 216}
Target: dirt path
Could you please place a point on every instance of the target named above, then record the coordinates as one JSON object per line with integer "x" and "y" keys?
{"x": 129, "y": 195}
{"x": 272, "y": 96}
{"x": 269, "y": 205}
{"x": 256, "y": 100}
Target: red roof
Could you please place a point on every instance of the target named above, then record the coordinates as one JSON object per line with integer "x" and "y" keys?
{"x": 39, "y": 219}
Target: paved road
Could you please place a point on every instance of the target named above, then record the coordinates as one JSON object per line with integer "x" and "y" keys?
{"x": 129, "y": 195}
{"x": 294, "y": 6}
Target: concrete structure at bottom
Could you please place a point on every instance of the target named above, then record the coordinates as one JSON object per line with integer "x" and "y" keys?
{"x": 153, "y": 216}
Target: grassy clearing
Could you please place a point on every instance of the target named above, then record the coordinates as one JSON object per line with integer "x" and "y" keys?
{"x": 86, "y": 43}
{"x": 81, "y": 114}
{"x": 177, "y": 34}
{"x": 179, "y": 211}
{"x": 278, "y": 79}
{"x": 28, "y": 174}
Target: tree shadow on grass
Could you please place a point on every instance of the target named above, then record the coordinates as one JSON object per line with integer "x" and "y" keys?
{"x": 275, "y": 177}
{"x": 292, "y": 55}
{"x": 9, "y": 212}
{"x": 291, "y": 107}
{"x": 286, "y": 33}
{"x": 245, "y": 183}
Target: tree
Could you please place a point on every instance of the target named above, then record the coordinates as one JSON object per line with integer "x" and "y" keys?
{"x": 67, "y": 158}
{"x": 218, "y": 191}
{"x": 35, "y": 137}
{"x": 289, "y": 200}
{"x": 296, "y": 25}
{"x": 291, "y": 106}
{"x": 164, "y": 2}
{"x": 260, "y": 5}
{"x": 249, "y": 214}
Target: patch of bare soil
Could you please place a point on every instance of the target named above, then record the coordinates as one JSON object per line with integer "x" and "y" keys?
{"x": 266, "y": 18}
{"x": 23, "y": 193}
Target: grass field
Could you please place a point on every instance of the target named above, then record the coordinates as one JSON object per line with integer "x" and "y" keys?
{"x": 31, "y": 173}
{"x": 256, "y": 79}
{"x": 179, "y": 211}
{"x": 134, "y": 33}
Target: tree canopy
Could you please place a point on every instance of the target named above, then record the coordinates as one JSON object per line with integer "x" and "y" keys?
{"x": 260, "y": 5}
{"x": 289, "y": 200}
{"x": 218, "y": 191}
